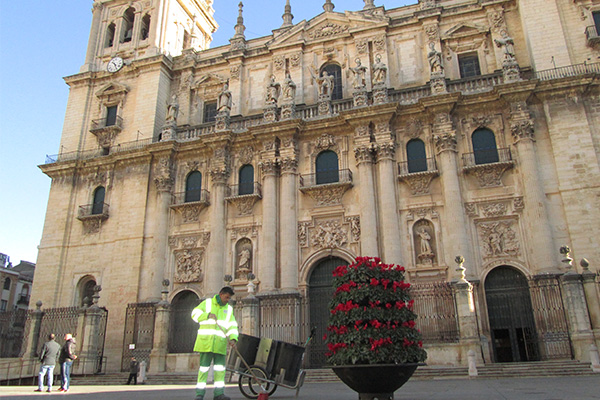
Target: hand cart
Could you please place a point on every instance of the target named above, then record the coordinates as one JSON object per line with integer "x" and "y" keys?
{"x": 272, "y": 363}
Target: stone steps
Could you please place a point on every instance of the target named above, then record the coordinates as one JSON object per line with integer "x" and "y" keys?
{"x": 504, "y": 370}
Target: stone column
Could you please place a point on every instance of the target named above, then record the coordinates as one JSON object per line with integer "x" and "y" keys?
{"x": 33, "y": 337}
{"x": 578, "y": 315}
{"x": 150, "y": 279}
{"x": 214, "y": 268}
{"x": 289, "y": 216}
{"x": 456, "y": 240}
{"x": 158, "y": 355}
{"x": 90, "y": 341}
{"x": 363, "y": 154}
{"x": 267, "y": 260}
{"x": 388, "y": 205}
{"x": 591, "y": 295}
{"x": 94, "y": 37}
{"x": 541, "y": 248}
{"x": 467, "y": 319}
{"x": 251, "y": 312}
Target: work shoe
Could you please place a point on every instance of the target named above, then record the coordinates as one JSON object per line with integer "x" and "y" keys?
{"x": 222, "y": 397}
{"x": 37, "y": 390}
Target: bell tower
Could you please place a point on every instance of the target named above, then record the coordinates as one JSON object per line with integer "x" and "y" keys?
{"x": 131, "y": 30}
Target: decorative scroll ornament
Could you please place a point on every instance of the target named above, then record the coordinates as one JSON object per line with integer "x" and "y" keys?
{"x": 419, "y": 183}
{"x": 490, "y": 175}
{"x": 354, "y": 227}
{"x": 324, "y": 142}
{"x": 522, "y": 130}
{"x": 445, "y": 141}
{"x": 471, "y": 209}
{"x": 190, "y": 213}
{"x": 246, "y": 154}
{"x": 498, "y": 239}
{"x": 493, "y": 210}
{"x": 289, "y": 165}
{"x": 234, "y": 72}
{"x": 163, "y": 179}
{"x": 189, "y": 266}
{"x": 244, "y": 204}
{"x": 363, "y": 154}
{"x": 327, "y": 195}
{"x": 362, "y": 46}
{"x": 328, "y": 30}
{"x": 303, "y": 233}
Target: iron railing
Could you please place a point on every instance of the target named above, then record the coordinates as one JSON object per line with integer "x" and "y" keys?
{"x": 96, "y": 210}
{"x": 591, "y": 33}
{"x": 416, "y": 166}
{"x": 60, "y": 321}
{"x": 191, "y": 196}
{"x": 326, "y": 177}
{"x": 100, "y": 124}
{"x": 245, "y": 189}
{"x": 490, "y": 156}
{"x": 281, "y": 318}
{"x": 436, "y": 312}
{"x": 12, "y": 325}
{"x": 88, "y": 154}
{"x": 138, "y": 336}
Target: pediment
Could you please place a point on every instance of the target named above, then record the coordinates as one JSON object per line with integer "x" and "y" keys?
{"x": 209, "y": 80}
{"x": 327, "y": 26}
{"x": 111, "y": 89}
{"x": 465, "y": 30}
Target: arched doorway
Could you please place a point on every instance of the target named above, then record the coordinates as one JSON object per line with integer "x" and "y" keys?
{"x": 320, "y": 291}
{"x": 183, "y": 330}
{"x": 512, "y": 325}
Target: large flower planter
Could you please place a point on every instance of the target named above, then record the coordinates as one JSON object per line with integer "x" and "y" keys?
{"x": 375, "y": 381}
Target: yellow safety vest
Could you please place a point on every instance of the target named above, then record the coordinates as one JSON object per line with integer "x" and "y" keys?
{"x": 212, "y": 338}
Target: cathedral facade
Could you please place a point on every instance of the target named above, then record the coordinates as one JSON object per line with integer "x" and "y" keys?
{"x": 458, "y": 138}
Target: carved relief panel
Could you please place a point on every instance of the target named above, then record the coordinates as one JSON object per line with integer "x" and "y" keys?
{"x": 329, "y": 232}
{"x": 189, "y": 252}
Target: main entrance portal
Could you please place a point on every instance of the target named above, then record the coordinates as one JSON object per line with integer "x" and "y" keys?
{"x": 319, "y": 294}
{"x": 512, "y": 324}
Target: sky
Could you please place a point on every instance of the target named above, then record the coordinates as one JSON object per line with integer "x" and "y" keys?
{"x": 42, "y": 41}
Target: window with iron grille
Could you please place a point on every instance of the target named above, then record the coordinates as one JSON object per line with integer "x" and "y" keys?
{"x": 210, "y": 112}
{"x": 246, "y": 180}
{"x": 327, "y": 168}
{"x": 468, "y": 65}
{"x": 416, "y": 156}
{"x": 98, "y": 203}
{"x": 193, "y": 187}
{"x": 485, "y": 150}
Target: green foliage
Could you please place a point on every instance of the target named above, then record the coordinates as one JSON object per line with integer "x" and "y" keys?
{"x": 371, "y": 320}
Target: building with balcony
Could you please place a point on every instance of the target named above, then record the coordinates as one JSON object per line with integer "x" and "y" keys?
{"x": 416, "y": 134}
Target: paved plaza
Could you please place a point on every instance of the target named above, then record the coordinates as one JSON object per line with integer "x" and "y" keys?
{"x": 555, "y": 388}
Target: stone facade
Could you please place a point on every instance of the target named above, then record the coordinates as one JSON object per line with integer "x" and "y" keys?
{"x": 541, "y": 191}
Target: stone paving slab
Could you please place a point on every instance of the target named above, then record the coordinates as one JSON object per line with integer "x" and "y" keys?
{"x": 563, "y": 388}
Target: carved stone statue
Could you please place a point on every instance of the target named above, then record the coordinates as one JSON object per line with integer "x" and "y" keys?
{"x": 325, "y": 83}
{"x": 359, "y": 72}
{"x": 244, "y": 259}
{"x": 224, "y": 100}
{"x": 289, "y": 89}
{"x": 173, "y": 109}
{"x": 379, "y": 72}
{"x": 425, "y": 241}
{"x": 435, "y": 60}
{"x": 273, "y": 89}
{"x": 507, "y": 44}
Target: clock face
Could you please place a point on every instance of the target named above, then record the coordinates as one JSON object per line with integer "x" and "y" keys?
{"x": 115, "y": 64}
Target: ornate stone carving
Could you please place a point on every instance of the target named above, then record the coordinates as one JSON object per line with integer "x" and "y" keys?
{"x": 246, "y": 155}
{"x": 324, "y": 142}
{"x": 327, "y": 195}
{"x": 471, "y": 209}
{"x": 327, "y": 30}
{"x": 490, "y": 175}
{"x": 362, "y": 45}
{"x": 424, "y": 239}
{"x": 303, "y": 233}
{"x": 295, "y": 60}
{"x": 359, "y": 97}
{"x": 354, "y": 227}
{"x": 518, "y": 203}
{"x": 413, "y": 128}
{"x": 419, "y": 182}
{"x": 190, "y": 242}
{"x": 445, "y": 141}
{"x": 362, "y": 130}
{"x": 363, "y": 154}
{"x": 386, "y": 151}
{"x": 190, "y": 212}
{"x": 498, "y": 239}
{"x": 379, "y": 43}
{"x": 189, "y": 266}
{"x": 422, "y": 213}
{"x": 173, "y": 242}
{"x": 289, "y": 165}
{"x": 328, "y": 235}
{"x": 234, "y": 72}
{"x": 163, "y": 175}
{"x": 493, "y": 209}
{"x": 269, "y": 167}
{"x": 244, "y": 231}
{"x": 427, "y": 4}
{"x": 219, "y": 175}
{"x": 380, "y": 95}
{"x": 497, "y": 21}
{"x": 244, "y": 204}
{"x": 522, "y": 130}
{"x": 243, "y": 266}
{"x": 279, "y": 62}
{"x": 433, "y": 33}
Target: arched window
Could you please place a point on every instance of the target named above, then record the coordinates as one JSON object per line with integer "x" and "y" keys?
{"x": 110, "y": 35}
{"x": 335, "y": 71}
{"x": 193, "y": 187}
{"x": 85, "y": 290}
{"x": 7, "y": 284}
{"x": 246, "y": 180}
{"x": 98, "y": 203}
{"x": 416, "y": 156}
{"x": 145, "y": 30}
{"x": 127, "y": 27}
{"x": 484, "y": 146}
{"x": 327, "y": 167}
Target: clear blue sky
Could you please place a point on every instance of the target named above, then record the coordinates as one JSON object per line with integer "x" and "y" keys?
{"x": 42, "y": 41}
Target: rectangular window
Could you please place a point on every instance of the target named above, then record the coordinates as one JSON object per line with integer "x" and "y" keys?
{"x": 469, "y": 65}
{"x": 210, "y": 112}
{"x": 111, "y": 115}
{"x": 596, "y": 16}
{"x": 3, "y": 305}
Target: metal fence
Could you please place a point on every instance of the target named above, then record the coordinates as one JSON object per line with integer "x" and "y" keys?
{"x": 281, "y": 318}
{"x": 59, "y": 321}
{"x": 436, "y": 312}
{"x": 12, "y": 327}
{"x": 138, "y": 336}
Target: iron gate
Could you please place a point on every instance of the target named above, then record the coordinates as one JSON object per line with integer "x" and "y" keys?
{"x": 138, "y": 337}
{"x": 436, "y": 312}
{"x": 183, "y": 330}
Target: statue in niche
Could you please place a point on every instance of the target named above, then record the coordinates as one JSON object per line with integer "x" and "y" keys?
{"x": 224, "y": 100}
{"x": 379, "y": 72}
{"x": 244, "y": 259}
{"x": 289, "y": 88}
{"x": 425, "y": 239}
{"x": 173, "y": 109}
{"x": 272, "y": 92}
{"x": 359, "y": 72}
{"x": 435, "y": 60}
{"x": 325, "y": 84}
{"x": 423, "y": 234}
{"x": 507, "y": 44}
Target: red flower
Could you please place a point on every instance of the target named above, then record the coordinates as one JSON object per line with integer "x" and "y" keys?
{"x": 409, "y": 324}
{"x": 374, "y": 282}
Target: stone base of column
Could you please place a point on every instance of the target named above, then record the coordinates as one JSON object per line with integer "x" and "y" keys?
{"x": 360, "y": 97}
{"x": 251, "y": 315}
{"x": 222, "y": 121}
{"x": 270, "y": 113}
{"x": 288, "y": 111}
{"x": 158, "y": 361}
{"x": 168, "y": 132}
{"x": 438, "y": 84}
{"x": 380, "y": 95}
{"x": 511, "y": 71}
{"x": 324, "y": 106}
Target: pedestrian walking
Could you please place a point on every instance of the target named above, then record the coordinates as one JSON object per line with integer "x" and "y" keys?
{"x": 67, "y": 356}
{"x": 48, "y": 358}
{"x": 217, "y": 325}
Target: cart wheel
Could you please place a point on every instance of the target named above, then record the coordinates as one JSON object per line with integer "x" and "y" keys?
{"x": 250, "y": 387}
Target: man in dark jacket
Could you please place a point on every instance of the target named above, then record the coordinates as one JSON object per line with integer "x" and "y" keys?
{"x": 48, "y": 358}
{"x": 134, "y": 368}
{"x": 67, "y": 356}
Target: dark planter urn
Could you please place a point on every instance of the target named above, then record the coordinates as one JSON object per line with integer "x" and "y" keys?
{"x": 375, "y": 381}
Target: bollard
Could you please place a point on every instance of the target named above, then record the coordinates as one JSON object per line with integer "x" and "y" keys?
{"x": 595, "y": 358}
{"x": 142, "y": 374}
{"x": 472, "y": 366}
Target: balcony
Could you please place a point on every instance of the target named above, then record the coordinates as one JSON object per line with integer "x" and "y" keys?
{"x": 326, "y": 188}
{"x": 106, "y": 131}
{"x": 93, "y": 211}
{"x": 23, "y": 299}
{"x": 188, "y": 204}
{"x": 591, "y": 33}
{"x": 418, "y": 174}
{"x": 488, "y": 166}
{"x": 244, "y": 196}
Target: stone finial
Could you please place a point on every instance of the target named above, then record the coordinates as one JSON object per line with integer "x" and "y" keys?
{"x": 328, "y": 6}
{"x": 369, "y": 4}
{"x": 460, "y": 260}
{"x": 585, "y": 264}
{"x": 567, "y": 260}
{"x": 287, "y": 15}
{"x": 239, "y": 27}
